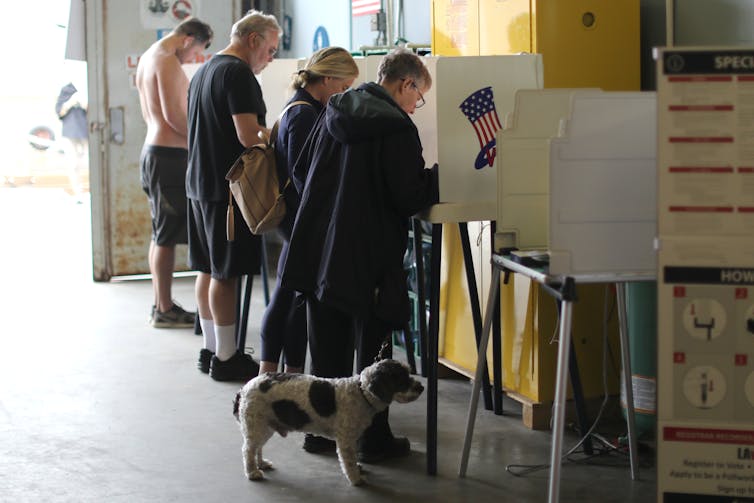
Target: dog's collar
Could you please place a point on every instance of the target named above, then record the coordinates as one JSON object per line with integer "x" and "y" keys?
{"x": 366, "y": 397}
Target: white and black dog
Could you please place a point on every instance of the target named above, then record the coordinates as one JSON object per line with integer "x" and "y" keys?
{"x": 340, "y": 409}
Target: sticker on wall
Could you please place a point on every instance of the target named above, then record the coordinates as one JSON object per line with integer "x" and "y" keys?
{"x": 480, "y": 109}
{"x": 157, "y": 14}
{"x": 321, "y": 39}
{"x": 704, "y": 386}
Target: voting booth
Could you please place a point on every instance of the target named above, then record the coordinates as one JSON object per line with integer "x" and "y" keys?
{"x": 603, "y": 185}
{"x": 576, "y": 167}
{"x": 524, "y": 168}
{"x": 579, "y": 179}
{"x": 465, "y": 107}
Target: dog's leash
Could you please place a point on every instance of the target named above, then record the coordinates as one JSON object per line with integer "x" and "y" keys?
{"x": 383, "y": 349}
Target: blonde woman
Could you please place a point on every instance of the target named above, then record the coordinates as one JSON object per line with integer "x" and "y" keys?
{"x": 327, "y": 72}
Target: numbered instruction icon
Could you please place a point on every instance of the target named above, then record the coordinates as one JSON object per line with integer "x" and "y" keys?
{"x": 749, "y": 320}
{"x": 749, "y": 389}
{"x": 704, "y": 387}
{"x": 704, "y": 319}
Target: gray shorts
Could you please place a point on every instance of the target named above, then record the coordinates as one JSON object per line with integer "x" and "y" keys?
{"x": 163, "y": 178}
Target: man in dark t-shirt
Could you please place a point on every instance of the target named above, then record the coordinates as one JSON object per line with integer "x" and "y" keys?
{"x": 226, "y": 114}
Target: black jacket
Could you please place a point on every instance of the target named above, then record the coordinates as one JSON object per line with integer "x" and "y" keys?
{"x": 295, "y": 126}
{"x": 364, "y": 178}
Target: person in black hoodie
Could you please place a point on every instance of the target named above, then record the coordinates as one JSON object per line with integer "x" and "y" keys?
{"x": 363, "y": 177}
{"x": 327, "y": 72}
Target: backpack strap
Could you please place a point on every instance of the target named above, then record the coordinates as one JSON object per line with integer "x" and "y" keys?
{"x": 274, "y": 131}
{"x": 230, "y": 221}
{"x": 230, "y": 226}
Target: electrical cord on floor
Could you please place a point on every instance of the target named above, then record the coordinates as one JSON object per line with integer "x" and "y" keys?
{"x": 520, "y": 470}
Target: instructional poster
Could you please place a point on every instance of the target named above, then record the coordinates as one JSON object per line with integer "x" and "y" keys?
{"x": 706, "y": 276}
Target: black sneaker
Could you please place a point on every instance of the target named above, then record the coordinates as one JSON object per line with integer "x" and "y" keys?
{"x": 239, "y": 367}
{"x": 205, "y": 356}
{"x": 175, "y": 317}
{"x": 396, "y": 447}
{"x": 316, "y": 444}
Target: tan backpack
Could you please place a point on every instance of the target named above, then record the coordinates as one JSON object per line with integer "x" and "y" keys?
{"x": 253, "y": 183}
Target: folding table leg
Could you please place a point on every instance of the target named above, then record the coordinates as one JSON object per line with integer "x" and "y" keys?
{"x": 561, "y": 382}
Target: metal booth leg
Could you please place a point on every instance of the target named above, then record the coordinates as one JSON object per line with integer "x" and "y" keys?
{"x": 263, "y": 271}
{"x": 497, "y": 344}
{"x": 561, "y": 384}
{"x": 432, "y": 336}
{"x": 481, "y": 369}
{"x": 242, "y": 308}
{"x": 476, "y": 310}
{"x": 420, "y": 293}
{"x": 620, "y": 290}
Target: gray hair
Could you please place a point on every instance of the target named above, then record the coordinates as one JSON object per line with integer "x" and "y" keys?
{"x": 254, "y": 22}
{"x": 403, "y": 64}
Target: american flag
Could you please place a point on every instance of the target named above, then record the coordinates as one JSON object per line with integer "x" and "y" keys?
{"x": 364, "y": 7}
{"x": 479, "y": 108}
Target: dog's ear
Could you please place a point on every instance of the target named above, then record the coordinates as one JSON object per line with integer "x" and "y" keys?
{"x": 388, "y": 377}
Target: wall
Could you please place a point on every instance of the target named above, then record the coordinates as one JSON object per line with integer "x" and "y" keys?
{"x": 415, "y": 25}
{"x": 351, "y": 33}
{"x": 722, "y": 22}
{"x": 307, "y": 16}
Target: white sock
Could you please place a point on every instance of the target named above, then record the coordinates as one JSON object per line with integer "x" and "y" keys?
{"x": 225, "y": 336}
{"x": 208, "y": 332}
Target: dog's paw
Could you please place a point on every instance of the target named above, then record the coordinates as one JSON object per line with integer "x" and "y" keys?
{"x": 265, "y": 464}
{"x": 256, "y": 475}
{"x": 358, "y": 481}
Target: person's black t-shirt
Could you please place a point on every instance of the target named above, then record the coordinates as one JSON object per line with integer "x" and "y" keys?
{"x": 222, "y": 87}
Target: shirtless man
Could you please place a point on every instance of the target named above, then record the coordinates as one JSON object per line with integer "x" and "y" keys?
{"x": 163, "y": 93}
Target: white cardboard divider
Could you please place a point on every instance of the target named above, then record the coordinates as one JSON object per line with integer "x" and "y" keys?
{"x": 466, "y": 105}
{"x": 275, "y": 81}
{"x": 603, "y": 185}
{"x": 523, "y": 168}
{"x": 367, "y": 68}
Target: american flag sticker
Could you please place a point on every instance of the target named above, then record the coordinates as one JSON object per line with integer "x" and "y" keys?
{"x": 479, "y": 108}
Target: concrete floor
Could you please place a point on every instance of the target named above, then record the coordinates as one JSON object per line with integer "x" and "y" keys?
{"x": 95, "y": 405}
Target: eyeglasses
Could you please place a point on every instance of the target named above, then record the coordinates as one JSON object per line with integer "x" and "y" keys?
{"x": 272, "y": 50}
{"x": 421, "y": 102}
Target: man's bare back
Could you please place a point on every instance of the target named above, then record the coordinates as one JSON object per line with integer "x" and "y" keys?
{"x": 163, "y": 93}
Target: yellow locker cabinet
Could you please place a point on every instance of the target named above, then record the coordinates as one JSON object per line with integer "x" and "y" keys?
{"x": 584, "y": 43}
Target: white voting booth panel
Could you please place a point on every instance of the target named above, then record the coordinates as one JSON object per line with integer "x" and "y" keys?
{"x": 523, "y": 169}
{"x": 465, "y": 107}
{"x": 367, "y": 69}
{"x": 275, "y": 81}
{"x": 603, "y": 185}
